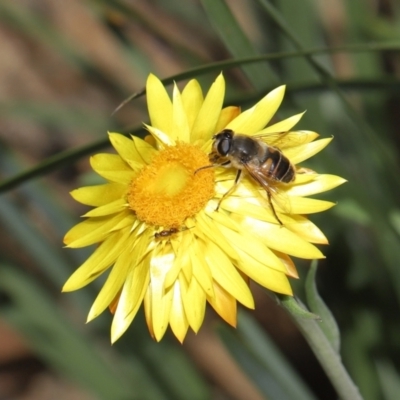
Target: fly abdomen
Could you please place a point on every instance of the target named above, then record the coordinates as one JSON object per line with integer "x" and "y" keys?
{"x": 277, "y": 166}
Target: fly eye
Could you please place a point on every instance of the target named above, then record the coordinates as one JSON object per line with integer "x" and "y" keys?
{"x": 224, "y": 146}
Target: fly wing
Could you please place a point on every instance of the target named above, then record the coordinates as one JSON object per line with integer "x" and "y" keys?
{"x": 284, "y": 140}
{"x": 279, "y": 197}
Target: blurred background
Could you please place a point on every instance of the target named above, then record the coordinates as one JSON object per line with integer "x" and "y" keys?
{"x": 65, "y": 67}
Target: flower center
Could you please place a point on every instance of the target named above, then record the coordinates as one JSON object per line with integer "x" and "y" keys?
{"x": 167, "y": 191}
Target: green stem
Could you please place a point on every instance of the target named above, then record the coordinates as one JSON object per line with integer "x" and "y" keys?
{"x": 329, "y": 359}
{"x": 58, "y": 160}
{"x": 66, "y": 157}
{"x": 232, "y": 63}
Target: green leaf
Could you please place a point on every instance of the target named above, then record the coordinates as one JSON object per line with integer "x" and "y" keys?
{"x": 263, "y": 350}
{"x": 237, "y": 42}
{"x": 74, "y": 355}
{"x": 295, "y": 308}
{"x": 317, "y": 305}
{"x": 389, "y": 379}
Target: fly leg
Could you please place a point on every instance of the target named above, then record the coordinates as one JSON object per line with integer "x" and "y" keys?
{"x": 272, "y": 207}
{"x": 237, "y": 180}
{"x": 224, "y": 164}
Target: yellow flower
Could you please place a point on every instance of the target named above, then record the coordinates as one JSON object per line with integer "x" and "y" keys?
{"x": 156, "y": 224}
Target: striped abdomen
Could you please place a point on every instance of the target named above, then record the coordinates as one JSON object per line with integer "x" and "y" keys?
{"x": 275, "y": 165}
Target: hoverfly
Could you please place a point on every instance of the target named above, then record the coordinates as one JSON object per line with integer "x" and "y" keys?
{"x": 265, "y": 163}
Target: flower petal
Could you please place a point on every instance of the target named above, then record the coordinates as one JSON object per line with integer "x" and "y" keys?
{"x": 133, "y": 291}
{"x": 161, "y": 138}
{"x": 126, "y": 149}
{"x": 99, "y": 195}
{"x": 182, "y": 256}
{"x": 289, "y": 264}
{"x": 108, "y": 209}
{"x": 305, "y": 229}
{"x": 227, "y": 115}
{"x": 206, "y": 121}
{"x": 195, "y": 305}
{"x": 112, "y": 167}
{"x": 161, "y": 300}
{"x": 241, "y": 206}
{"x": 201, "y": 270}
{"x": 301, "y": 153}
{"x": 267, "y": 277}
{"x": 255, "y": 118}
{"x": 224, "y": 304}
{"x": 177, "y": 319}
{"x": 159, "y": 105}
{"x": 180, "y": 124}
{"x": 192, "y": 100}
{"x": 280, "y": 238}
{"x": 282, "y": 126}
{"x": 113, "y": 284}
{"x": 321, "y": 183}
{"x": 254, "y": 248}
{"x": 92, "y": 230}
{"x": 226, "y": 275}
{"x": 101, "y": 259}
{"x": 209, "y": 229}
{"x": 304, "y": 205}
{"x": 146, "y": 150}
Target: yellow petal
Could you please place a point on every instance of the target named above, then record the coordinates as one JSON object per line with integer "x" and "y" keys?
{"x": 267, "y": 277}
{"x": 223, "y": 219}
{"x": 161, "y": 300}
{"x": 192, "y": 99}
{"x": 207, "y": 227}
{"x": 304, "y": 205}
{"x": 250, "y": 245}
{"x": 93, "y": 230}
{"x": 180, "y": 124}
{"x": 206, "y": 121}
{"x": 126, "y": 149}
{"x": 108, "y": 209}
{"x": 303, "y": 177}
{"x": 201, "y": 271}
{"x": 177, "y": 319}
{"x": 301, "y": 153}
{"x": 307, "y": 230}
{"x": 226, "y": 274}
{"x": 182, "y": 257}
{"x": 227, "y": 115}
{"x": 112, "y": 167}
{"x": 321, "y": 183}
{"x": 245, "y": 208}
{"x": 160, "y": 137}
{"x": 130, "y": 221}
{"x": 147, "y": 311}
{"x": 289, "y": 264}
{"x": 282, "y": 126}
{"x": 113, "y": 284}
{"x": 101, "y": 259}
{"x": 255, "y": 118}
{"x": 99, "y": 195}
{"x": 133, "y": 291}
{"x": 224, "y": 304}
{"x": 146, "y": 150}
{"x": 280, "y": 238}
{"x": 159, "y": 105}
{"x": 195, "y": 305}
